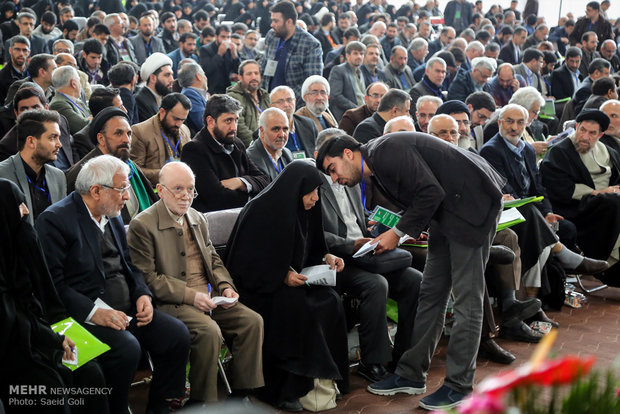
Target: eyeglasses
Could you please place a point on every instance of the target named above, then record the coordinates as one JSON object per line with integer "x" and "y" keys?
{"x": 510, "y": 121}
{"x": 315, "y": 93}
{"x": 443, "y": 133}
{"x": 281, "y": 101}
{"x": 63, "y": 50}
{"x": 121, "y": 190}
{"x": 180, "y": 192}
{"x": 375, "y": 95}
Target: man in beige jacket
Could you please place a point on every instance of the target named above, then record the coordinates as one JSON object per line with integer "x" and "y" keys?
{"x": 169, "y": 242}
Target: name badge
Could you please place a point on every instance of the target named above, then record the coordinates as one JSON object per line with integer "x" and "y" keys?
{"x": 270, "y": 68}
{"x": 299, "y": 155}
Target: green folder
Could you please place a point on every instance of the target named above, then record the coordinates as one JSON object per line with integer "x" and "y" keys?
{"x": 88, "y": 346}
{"x": 503, "y": 226}
{"x": 523, "y": 201}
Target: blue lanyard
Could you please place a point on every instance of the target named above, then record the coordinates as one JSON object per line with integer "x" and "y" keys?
{"x": 148, "y": 48}
{"x": 403, "y": 81}
{"x": 363, "y": 186}
{"x": 250, "y": 53}
{"x": 374, "y": 78}
{"x": 174, "y": 150}
{"x": 294, "y": 135}
{"x": 280, "y": 45}
{"x": 74, "y": 104}
{"x": 40, "y": 188}
{"x": 94, "y": 74}
{"x": 437, "y": 91}
{"x": 132, "y": 168}
{"x": 276, "y": 165}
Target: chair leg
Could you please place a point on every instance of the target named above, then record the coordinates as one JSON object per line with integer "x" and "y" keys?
{"x": 223, "y": 374}
{"x": 583, "y": 288}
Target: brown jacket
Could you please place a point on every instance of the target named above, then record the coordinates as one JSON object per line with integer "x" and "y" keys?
{"x": 353, "y": 117}
{"x": 148, "y": 149}
{"x": 329, "y": 119}
{"x": 157, "y": 248}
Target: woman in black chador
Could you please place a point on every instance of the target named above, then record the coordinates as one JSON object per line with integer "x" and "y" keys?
{"x": 276, "y": 235}
{"x": 30, "y": 351}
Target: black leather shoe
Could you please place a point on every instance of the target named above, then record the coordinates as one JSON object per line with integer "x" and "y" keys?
{"x": 372, "y": 372}
{"x": 489, "y": 349}
{"x": 521, "y": 310}
{"x": 590, "y": 266}
{"x": 290, "y": 406}
{"x": 542, "y": 317}
{"x": 499, "y": 254}
{"x": 521, "y": 332}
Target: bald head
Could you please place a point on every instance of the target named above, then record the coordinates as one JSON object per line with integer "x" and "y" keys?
{"x": 444, "y": 127}
{"x": 612, "y": 110}
{"x": 176, "y": 187}
{"x": 171, "y": 170}
{"x": 399, "y": 124}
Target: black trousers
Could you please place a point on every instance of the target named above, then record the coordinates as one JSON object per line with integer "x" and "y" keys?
{"x": 167, "y": 341}
{"x": 372, "y": 290}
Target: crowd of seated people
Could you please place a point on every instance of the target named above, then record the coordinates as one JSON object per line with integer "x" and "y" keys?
{"x": 123, "y": 126}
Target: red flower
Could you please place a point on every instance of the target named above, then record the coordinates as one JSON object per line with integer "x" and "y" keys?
{"x": 481, "y": 404}
{"x": 553, "y": 372}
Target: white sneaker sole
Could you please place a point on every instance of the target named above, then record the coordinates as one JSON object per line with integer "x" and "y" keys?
{"x": 439, "y": 407}
{"x": 393, "y": 391}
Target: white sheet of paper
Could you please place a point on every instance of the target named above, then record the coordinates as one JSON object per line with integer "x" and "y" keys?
{"x": 510, "y": 215}
{"x": 103, "y": 305}
{"x": 366, "y": 248}
{"x": 223, "y": 300}
{"x": 320, "y": 275}
{"x": 69, "y": 361}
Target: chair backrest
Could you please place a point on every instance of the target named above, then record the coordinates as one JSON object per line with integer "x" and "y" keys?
{"x": 221, "y": 224}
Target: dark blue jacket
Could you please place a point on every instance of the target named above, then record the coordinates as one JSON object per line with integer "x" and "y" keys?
{"x": 70, "y": 243}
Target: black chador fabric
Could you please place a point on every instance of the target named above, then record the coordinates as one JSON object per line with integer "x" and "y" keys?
{"x": 305, "y": 334}
{"x": 534, "y": 235}
{"x": 31, "y": 352}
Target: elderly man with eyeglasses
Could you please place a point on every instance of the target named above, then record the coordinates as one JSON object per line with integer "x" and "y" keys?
{"x": 111, "y": 133}
{"x": 169, "y": 242}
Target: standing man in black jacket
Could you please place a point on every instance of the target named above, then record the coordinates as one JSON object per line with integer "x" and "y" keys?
{"x": 219, "y": 60}
{"x": 459, "y": 195}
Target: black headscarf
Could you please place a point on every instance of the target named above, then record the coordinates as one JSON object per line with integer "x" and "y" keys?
{"x": 274, "y": 232}
{"x": 25, "y": 282}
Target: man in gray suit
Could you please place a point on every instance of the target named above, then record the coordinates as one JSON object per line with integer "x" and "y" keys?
{"x": 144, "y": 43}
{"x": 459, "y": 195}
{"x": 347, "y": 81}
{"x": 38, "y": 140}
{"x": 268, "y": 152}
{"x": 345, "y": 229}
{"x": 533, "y": 61}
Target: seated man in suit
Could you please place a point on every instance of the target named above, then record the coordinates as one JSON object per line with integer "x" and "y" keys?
{"x": 347, "y": 81}
{"x": 598, "y": 68}
{"x": 156, "y": 71}
{"x": 38, "y": 141}
{"x": 581, "y": 176}
{"x": 225, "y": 176}
{"x": 123, "y": 76}
{"x": 29, "y": 96}
{"x": 160, "y": 138}
{"x": 86, "y": 250}
{"x": 511, "y": 51}
{"x": 269, "y": 152}
{"x": 398, "y": 73}
{"x": 611, "y": 138}
{"x": 111, "y": 133}
{"x": 15, "y": 66}
{"x": 219, "y": 60}
{"x": 315, "y": 92}
{"x": 193, "y": 80}
{"x": 565, "y": 79}
{"x": 181, "y": 284}
{"x": 302, "y": 131}
{"x": 393, "y": 104}
{"x": 346, "y": 230}
{"x": 186, "y": 50}
{"x": 67, "y": 99}
{"x": 145, "y": 44}
{"x": 372, "y": 97}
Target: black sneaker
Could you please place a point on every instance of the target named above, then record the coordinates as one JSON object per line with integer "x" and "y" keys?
{"x": 444, "y": 398}
{"x": 396, "y": 384}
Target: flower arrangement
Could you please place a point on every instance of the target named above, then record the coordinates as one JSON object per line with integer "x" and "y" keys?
{"x": 546, "y": 386}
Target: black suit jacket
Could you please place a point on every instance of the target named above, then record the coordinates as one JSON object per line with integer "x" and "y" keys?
{"x": 70, "y": 243}
{"x": 501, "y": 157}
{"x": 7, "y": 77}
{"x": 562, "y": 83}
{"x": 436, "y": 182}
{"x": 217, "y": 68}
{"x": 507, "y": 54}
{"x": 129, "y": 101}
{"x": 206, "y": 157}
{"x": 147, "y": 105}
{"x": 582, "y": 94}
{"x": 369, "y": 128}
{"x": 611, "y": 142}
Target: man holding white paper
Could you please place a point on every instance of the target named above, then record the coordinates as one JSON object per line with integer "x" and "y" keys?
{"x": 459, "y": 195}
{"x": 170, "y": 243}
